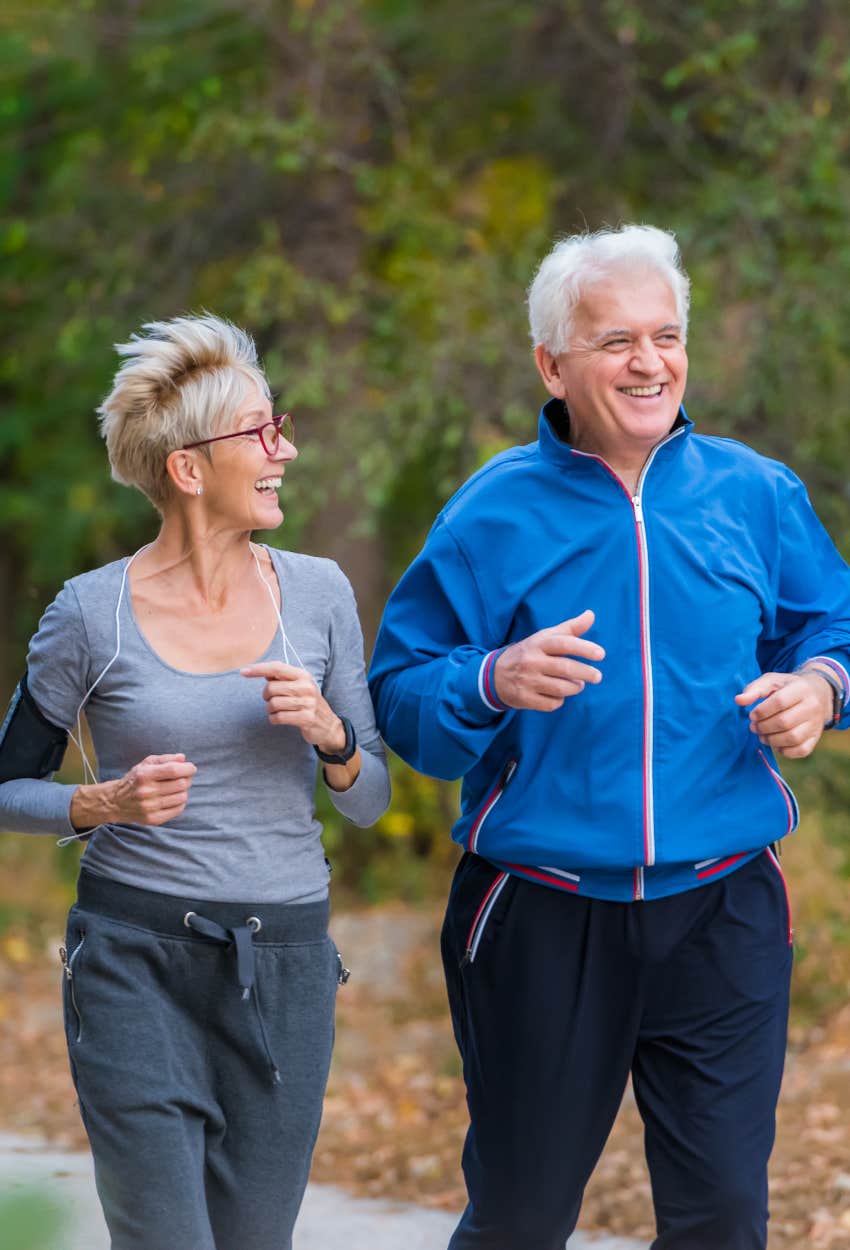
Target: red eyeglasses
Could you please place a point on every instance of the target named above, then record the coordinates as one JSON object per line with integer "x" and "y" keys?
{"x": 269, "y": 434}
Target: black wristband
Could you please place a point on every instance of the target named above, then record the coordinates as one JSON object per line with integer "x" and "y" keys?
{"x": 343, "y": 756}
{"x": 837, "y": 692}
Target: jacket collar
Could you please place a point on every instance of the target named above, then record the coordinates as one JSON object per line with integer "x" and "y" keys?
{"x": 554, "y": 433}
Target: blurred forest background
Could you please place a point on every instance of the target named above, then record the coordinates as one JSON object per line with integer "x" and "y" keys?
{"x": 367, "y": 185}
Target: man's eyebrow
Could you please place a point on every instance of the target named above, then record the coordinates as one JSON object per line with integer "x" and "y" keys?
{"x": 611, "y": 334}
{"x": 626, "y": 334}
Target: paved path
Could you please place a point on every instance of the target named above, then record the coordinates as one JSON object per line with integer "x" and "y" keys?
{"x": 330, "y": 1219}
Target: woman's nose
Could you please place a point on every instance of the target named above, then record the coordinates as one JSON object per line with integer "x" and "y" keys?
{"x": 285, "y": 450}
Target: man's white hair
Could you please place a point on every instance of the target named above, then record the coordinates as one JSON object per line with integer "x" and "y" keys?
{"x": 181, "y": 381}
{"x": 581, "y": 260}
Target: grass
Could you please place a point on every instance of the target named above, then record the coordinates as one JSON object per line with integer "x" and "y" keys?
{"x": 30, "y": 1221}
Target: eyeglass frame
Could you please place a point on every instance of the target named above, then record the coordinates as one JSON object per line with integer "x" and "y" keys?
{"x": 256, "y": 429}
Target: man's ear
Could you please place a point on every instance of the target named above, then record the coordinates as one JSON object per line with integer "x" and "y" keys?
{"x": 547, "y": 367}
{"x": 182, "y": 467}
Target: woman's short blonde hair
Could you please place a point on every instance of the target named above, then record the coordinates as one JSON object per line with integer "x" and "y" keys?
{"x": 182, "y": 380}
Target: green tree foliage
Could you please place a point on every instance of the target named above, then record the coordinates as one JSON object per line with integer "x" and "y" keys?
{"x": 367, "y": 185}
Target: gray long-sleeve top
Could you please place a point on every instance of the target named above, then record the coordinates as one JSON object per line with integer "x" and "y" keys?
{"x": 249, "y": 830}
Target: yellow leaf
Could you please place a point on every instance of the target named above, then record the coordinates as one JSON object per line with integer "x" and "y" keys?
{"x": 16, "y": 949}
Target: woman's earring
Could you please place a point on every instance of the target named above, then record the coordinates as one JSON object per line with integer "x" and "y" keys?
{"x": 199, "y": 491}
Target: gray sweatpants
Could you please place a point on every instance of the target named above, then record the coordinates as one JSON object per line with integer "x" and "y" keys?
{"x": 199, "y": 1046}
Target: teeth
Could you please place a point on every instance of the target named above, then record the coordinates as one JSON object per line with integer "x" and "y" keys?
{"x": 268, "y": 483}
{"x": 640, "y": 391}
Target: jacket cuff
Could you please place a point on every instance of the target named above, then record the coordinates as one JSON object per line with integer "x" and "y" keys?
{"x": 471, "y": 691}
{"x": 487, "y": 684}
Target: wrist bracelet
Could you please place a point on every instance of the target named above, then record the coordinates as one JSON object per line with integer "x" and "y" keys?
{"x": 837, "y": 692}
{"x": 343, "y": 756}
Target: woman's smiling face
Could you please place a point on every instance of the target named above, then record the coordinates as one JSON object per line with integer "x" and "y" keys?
{"x": 243, "y": 479}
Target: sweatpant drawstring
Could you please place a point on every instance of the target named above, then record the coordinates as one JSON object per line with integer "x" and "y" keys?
{"x": 241, "y": 938}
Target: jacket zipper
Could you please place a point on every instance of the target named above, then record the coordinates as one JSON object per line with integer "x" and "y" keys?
{"x": 787, "y": 793}
{"x": 68, "y": 969}
{"x": 636, "y": 501}
{"x": 648, "y": 700}
{"x": 505, "y": 778}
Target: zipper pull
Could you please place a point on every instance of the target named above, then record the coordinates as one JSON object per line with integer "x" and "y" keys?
{"x": 638, "y": 507}
{"x": 508, "y": 773}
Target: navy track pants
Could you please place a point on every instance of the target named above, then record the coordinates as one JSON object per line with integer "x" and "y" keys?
{"x": 556, "y": 998}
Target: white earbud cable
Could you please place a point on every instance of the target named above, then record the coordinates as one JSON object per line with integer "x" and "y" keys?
{"x": 288, "y": 644}
{"x": 77, "y": 738}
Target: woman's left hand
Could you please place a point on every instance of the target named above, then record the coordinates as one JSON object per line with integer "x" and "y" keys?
{"x": 293, "y": 698}
{"x": 793, "y": 711}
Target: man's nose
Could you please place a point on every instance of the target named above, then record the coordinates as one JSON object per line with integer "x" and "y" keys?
{"x": 646, "y": 358}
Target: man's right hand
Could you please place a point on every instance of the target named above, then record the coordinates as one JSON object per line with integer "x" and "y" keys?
{"x": 153, "y": 792}
{"x": 540, "y": 672}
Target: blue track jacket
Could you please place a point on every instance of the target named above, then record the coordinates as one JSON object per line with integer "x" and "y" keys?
{"x": 650, "y": 782}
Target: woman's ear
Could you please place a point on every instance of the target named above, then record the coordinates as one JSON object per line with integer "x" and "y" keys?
{"x": 548, "y": 368}
{"x": 183, "y": 469}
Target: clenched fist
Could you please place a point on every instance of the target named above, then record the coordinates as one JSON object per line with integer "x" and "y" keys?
{"x": 793, "y": 711}
{"x": 152, "y": 792}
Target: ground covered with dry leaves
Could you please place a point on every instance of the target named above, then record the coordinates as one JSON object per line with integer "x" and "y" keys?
{"x": 395, "y": 1114}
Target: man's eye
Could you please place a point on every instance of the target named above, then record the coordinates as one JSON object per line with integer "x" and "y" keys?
{"x": 615, "y": 342}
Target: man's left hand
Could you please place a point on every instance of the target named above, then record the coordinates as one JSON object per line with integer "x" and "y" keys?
{"x": 793, "y": 711}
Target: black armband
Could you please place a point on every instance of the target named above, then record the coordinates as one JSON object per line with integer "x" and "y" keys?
{"x": 30, "y": 746}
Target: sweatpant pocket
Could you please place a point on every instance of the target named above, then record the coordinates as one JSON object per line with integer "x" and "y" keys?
{"x": 70, "y": 968}
{"x": 774, "y": 860}
{"x": 482, "y": 917}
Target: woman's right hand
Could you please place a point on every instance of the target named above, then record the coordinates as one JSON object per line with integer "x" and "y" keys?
{"x": 153, "y": 792}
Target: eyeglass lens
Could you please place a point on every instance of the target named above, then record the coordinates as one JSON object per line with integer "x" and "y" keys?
{"x": 271, "y": 433}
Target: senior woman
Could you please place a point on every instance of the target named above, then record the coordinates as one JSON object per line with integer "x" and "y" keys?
{"x": 215, "y": 674}
{"x": 608, "y": 634}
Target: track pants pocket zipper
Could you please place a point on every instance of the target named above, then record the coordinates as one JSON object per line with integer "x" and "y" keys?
{"x": 774, "y": 860}
{"x": 68, "y": 969}
{"x": 479, "y": 924}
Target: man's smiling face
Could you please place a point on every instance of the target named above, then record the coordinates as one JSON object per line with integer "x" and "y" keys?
{"x": 624, "y": 375}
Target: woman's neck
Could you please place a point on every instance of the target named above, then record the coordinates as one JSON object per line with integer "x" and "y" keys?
{"x": 203, "y": 567}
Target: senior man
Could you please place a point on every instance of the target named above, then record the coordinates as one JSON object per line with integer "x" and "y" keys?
{"x": 609, "y": 634}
